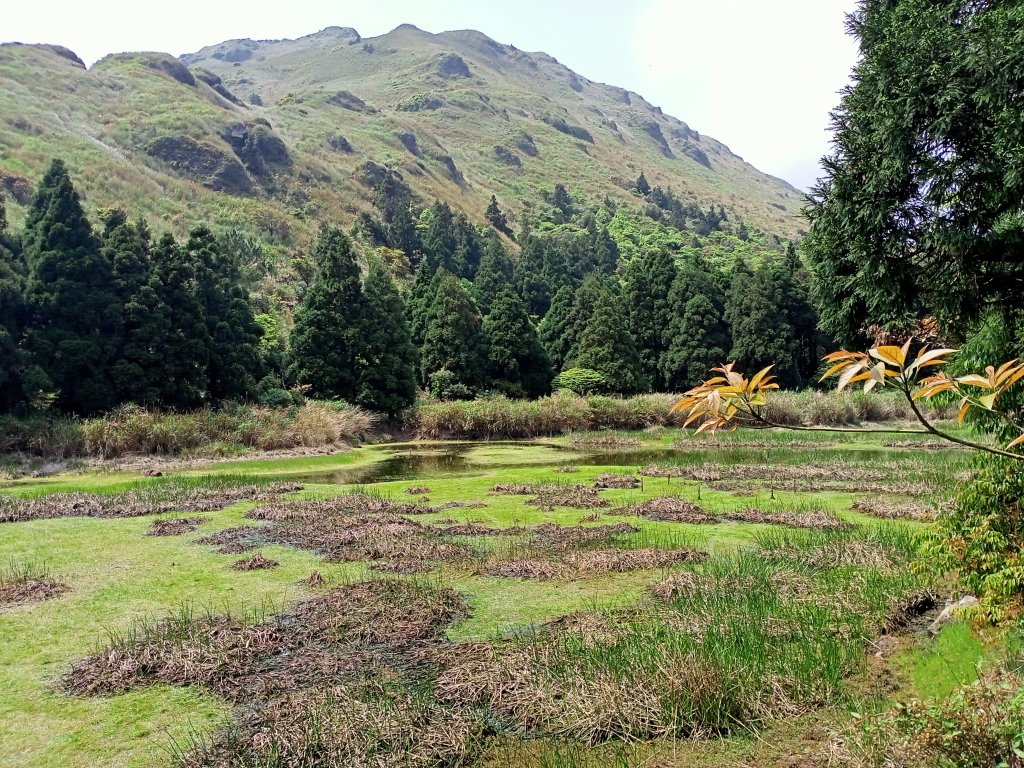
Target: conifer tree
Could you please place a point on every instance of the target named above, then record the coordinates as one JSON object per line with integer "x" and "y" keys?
{"x": 468, "y": 248}
{"x": 453, "y": 341}
{"x": 496, "y": 217}
{"x": 180, "y": 333}
{"x": 136, "y": 369}
{"x": 552, "y": 329}
{"x": 519, "y": 365}
{"x": 421, "y": 299}
{"x": 648, "y": 284}
{"x": 584, "y": 301}
{"x": 642, "y": 185}
{"x": 495, "y": 273}
{"x": 12, "y": 316}
{"x": 607, "y": 347}
{"x": 328, "y": 322}
{"x": 386, "y": 359}
{"x": 437, "y": 234}
{"x": 236, "y": 364}
{"x": 761, "y": 333}
{"x": 74, "y": 312}
{"x": 530, "y": 279}
{"x": 698, "y": 336}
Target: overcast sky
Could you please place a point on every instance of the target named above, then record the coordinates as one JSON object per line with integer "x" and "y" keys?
{"x": 759, "y": 75}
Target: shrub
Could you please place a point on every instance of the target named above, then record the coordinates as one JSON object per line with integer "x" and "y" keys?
{"x": 982, "y": 538}
{"x": 581, "y": 381}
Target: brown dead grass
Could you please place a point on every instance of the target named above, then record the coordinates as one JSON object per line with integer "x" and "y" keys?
{"x": 256, "y": 562}
{"x": 609, "y": 480}
{"x": 907, "y": 509}
{"x": 821, "y": 519}
{"x": 30, "y": 589}
{"x": 176, "y": 526}
{"x": 147, "y": 500}
{"x": 670, "y": 509}
{"x": 605, "y": 443}
{"x": 588, "y": 563}
{"x": 347, "y": 528}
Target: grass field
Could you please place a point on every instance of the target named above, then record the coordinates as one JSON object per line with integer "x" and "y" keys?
{"x": 475, "y": 604}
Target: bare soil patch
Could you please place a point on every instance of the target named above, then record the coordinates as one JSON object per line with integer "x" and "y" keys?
{"x": 176, "y": 526}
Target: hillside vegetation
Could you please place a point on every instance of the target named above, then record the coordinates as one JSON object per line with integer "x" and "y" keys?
{"x": 271, "y": 137}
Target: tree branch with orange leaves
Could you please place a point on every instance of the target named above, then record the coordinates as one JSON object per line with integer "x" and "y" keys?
{"x": 729, "y": 399}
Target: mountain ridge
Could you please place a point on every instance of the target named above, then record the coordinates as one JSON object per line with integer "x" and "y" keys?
{"x": 292, "y": 130}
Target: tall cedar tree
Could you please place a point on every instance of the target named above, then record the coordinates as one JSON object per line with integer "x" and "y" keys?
{"x": 919, "y": 212}
{"x": 12, "y": 316}
{"x": 386, "y": 357}
{"x": 519, "y": 365}
{"x": 236, "y": 364}
{"x": 530, "y": 280}
{"x": 437, "y": 233}
{"x": 75, "y": 315}
{"x": 468, "y": 248}
{"x": 698, "y": 336}
{"x": 607, "y": 347}
{"x": 552, "y": 329}
{"x": 453, "y": 339}
{"x": 181, "y": 336}
{"x": 583, "y": 305}
{"x": 421, "y": 299}
{"x": 328, "y": 321}
{"x": 649, "y": 281}
{"x": 761, "y": 333}
{"x": 135, "y": 371}
{"x": 496, "y": 218}
{"x": 792, "y": 289}
{"x": 495, "y": 273}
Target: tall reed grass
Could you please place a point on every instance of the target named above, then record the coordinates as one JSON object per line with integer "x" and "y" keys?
{"x": 135, "y": 430}
{"x": 562, "y": 413}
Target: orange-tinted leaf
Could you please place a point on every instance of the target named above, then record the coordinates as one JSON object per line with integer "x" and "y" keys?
{"x": 988, "y": 401}
{"x": 892, "y": 355}
{"x": 1016, "y": 442}
{"x": 965, "y": 406}
{"x": 974, "y": 380}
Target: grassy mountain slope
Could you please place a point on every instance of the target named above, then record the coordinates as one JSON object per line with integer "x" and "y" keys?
{"x": 272, "y": 136}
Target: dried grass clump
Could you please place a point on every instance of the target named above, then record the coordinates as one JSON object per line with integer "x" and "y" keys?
{"x": 470, "y": 504}
{"x": 373, "y": 723}
{"x": 26, "y": 581}
{"x": 335, "y": 506}
{"x": 670, "y": 509}
{"x": 475, "y": 529}
{"x": 318, "y": 643}
{"x": 315, "y": 579}
{"x": 605, "y": 442}
{"x": 547, "y": 496}
{"x": 403, "y": 567}
{"x": 567, "y": 469}
{"x": 895, "y": 510}
{"x": 586, "y": 563}
{"x": 176, "y": 526}
{"x": 417, "y": 490}
{"x": 156, "y": 498}
{"x": 256, "y": 562}
{"x": 674, "y": 585}
{"x": 609, "y": 480}
{"x": 795, "y": 518}
{"x": 566, "y": 537}
{"x": 346, "y": 528}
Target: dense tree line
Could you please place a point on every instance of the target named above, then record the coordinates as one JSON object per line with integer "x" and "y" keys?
{"x": 91, "y": 318}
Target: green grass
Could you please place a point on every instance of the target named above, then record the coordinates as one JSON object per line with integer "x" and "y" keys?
{"x": 118, "y": 576}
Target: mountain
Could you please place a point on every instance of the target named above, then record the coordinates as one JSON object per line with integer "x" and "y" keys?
{"x": 272, "y": 136}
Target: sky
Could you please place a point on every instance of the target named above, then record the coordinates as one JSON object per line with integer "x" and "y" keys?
{"x": 759, "y": 75}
